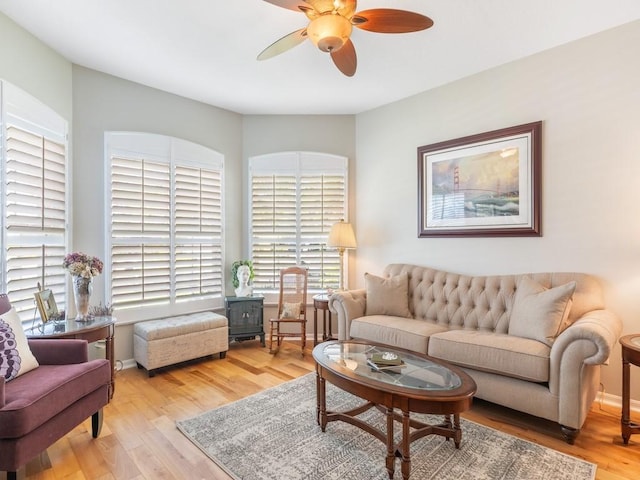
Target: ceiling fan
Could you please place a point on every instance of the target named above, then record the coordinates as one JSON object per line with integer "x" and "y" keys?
{"x": 331, "y": 22}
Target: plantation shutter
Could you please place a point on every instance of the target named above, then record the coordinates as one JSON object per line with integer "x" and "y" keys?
{"x": 140, "y": 232}
{"x": 166, "y": 224}
{"x": 198, "y": 214}
{"x": 322, "y": 203}
{"x": 34, "y": 200}
{"x": 295, "y": 199}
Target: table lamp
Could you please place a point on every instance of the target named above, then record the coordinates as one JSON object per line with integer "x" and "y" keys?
{"x": 342, "y": 237}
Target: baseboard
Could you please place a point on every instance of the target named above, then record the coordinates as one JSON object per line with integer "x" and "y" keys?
{"x": 615, "y": 401}
{"x": 129, "y": 363}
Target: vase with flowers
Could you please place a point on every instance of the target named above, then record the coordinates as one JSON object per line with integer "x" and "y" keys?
{"x": 82, "y": 268}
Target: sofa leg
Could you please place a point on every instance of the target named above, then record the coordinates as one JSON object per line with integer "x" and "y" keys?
{"x": 569, "y": 434}
{"x": 96, "y": 423}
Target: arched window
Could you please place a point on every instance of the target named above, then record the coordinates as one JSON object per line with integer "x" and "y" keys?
{"x": 295, "y": 198}
{"x": 165, "y": 224}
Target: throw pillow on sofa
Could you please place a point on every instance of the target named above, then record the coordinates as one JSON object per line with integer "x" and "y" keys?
{"x": 387, "y": 296}
{"x": 540, "y": 313}
{"x": 15, "y": 355}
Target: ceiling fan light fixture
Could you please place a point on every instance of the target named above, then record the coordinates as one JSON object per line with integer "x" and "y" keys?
{"x": 329, "y": 32}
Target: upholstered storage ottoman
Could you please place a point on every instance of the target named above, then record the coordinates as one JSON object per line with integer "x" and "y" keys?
{"x": 167, "y": 341}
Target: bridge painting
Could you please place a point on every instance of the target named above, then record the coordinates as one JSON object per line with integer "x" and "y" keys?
{"x": 483, "y": 185}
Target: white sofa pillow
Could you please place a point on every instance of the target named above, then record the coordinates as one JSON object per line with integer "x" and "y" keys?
{"x": 15, "y": 355}
{"x": 387, "y": 296}
{"x": 539, "y": 313}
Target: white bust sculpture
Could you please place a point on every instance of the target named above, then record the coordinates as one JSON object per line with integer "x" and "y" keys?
{"x": 242, "y": 274}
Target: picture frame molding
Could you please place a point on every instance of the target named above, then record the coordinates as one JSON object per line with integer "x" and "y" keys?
{"x": 532, "y": 132}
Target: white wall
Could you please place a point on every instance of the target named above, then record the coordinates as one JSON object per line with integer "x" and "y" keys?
{"x": 588, "y": 97}
{"x": 35, "y": 68}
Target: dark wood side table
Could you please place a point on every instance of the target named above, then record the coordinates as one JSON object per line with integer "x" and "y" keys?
{"x": 92, "y": 330}
{"x": 630, "y": 355}
{"x": 321, "y": 302}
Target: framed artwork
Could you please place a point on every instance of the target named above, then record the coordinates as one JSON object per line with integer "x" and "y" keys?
{"x": 46, "y": 305}
{"x": 484, "y": 185}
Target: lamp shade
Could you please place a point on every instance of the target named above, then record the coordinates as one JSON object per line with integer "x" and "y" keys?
{"x": 329, "y": 32}
{"x": 342, "y": 236}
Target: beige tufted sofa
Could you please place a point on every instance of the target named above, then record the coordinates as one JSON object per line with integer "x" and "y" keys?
{"x": 484, "y": 325}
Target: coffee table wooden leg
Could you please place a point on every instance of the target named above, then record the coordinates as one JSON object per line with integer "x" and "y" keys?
{"x": 322, "y": 402}
{"x": 406, "y": 442}
{"x": 391, "y": 448}
{"x": 457, "y": 436}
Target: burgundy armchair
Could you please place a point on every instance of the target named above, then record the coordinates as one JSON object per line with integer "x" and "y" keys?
{"x": 41, "y": 406}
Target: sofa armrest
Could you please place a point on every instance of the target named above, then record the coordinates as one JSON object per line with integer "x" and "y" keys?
{"x": 576, "y": 356}
{"x": 347, "y": 305}
{"x": 59, "y": 351}
{"x": 599, "y": 328}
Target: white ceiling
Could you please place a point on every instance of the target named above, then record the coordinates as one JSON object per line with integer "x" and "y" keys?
{"x": 206, "y": 49}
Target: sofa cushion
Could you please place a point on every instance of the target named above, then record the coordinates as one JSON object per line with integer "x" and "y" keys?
{"x": 396, "y": 331}
{"x": 178, "y": 325}
{"x": 387, "y": 296}
{"x": 540, "y": 313}
{"x": 46, "y": 391}
{"x": 492, "y": 352}
{"x": 15, "y": 355}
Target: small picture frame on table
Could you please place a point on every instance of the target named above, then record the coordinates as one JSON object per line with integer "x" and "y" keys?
{"x": 46, "y": 305}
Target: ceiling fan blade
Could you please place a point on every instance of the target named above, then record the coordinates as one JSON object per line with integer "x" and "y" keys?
{"x": 345, "y": 58}
{"x": 389, "y": 20}
{"x": 296, "y": 5}
{"x": 285, "y": 43}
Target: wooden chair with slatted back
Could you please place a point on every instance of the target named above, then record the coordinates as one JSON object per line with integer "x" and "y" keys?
{"x": 292, "y": 308}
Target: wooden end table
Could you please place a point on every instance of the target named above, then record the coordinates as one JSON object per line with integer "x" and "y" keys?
{"x": 92, "y": 330}
{"x": 630, "y": 355}
{"x": 321, "y": 302}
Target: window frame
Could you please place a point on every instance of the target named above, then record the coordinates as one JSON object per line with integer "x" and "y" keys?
{"x": 28, "y": 114}
{"x": 173, "y": 152}
{"x": 297, "y": 163}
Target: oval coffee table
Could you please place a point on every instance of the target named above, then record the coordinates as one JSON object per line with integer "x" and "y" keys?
{"x": 419, "y": 384}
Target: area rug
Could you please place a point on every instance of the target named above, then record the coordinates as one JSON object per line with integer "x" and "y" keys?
{"x": 274, "y": 435}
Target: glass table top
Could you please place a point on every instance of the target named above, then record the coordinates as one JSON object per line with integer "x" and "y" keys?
{"x": 413, "y": 372}
{"x": 67, "y": 326}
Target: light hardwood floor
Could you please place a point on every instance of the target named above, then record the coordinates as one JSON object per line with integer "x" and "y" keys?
{"x": 139, "y": 439}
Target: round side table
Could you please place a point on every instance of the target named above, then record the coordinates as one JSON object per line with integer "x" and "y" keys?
{"x": 630, "y": 355}
{"x": 321, "y": 302}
